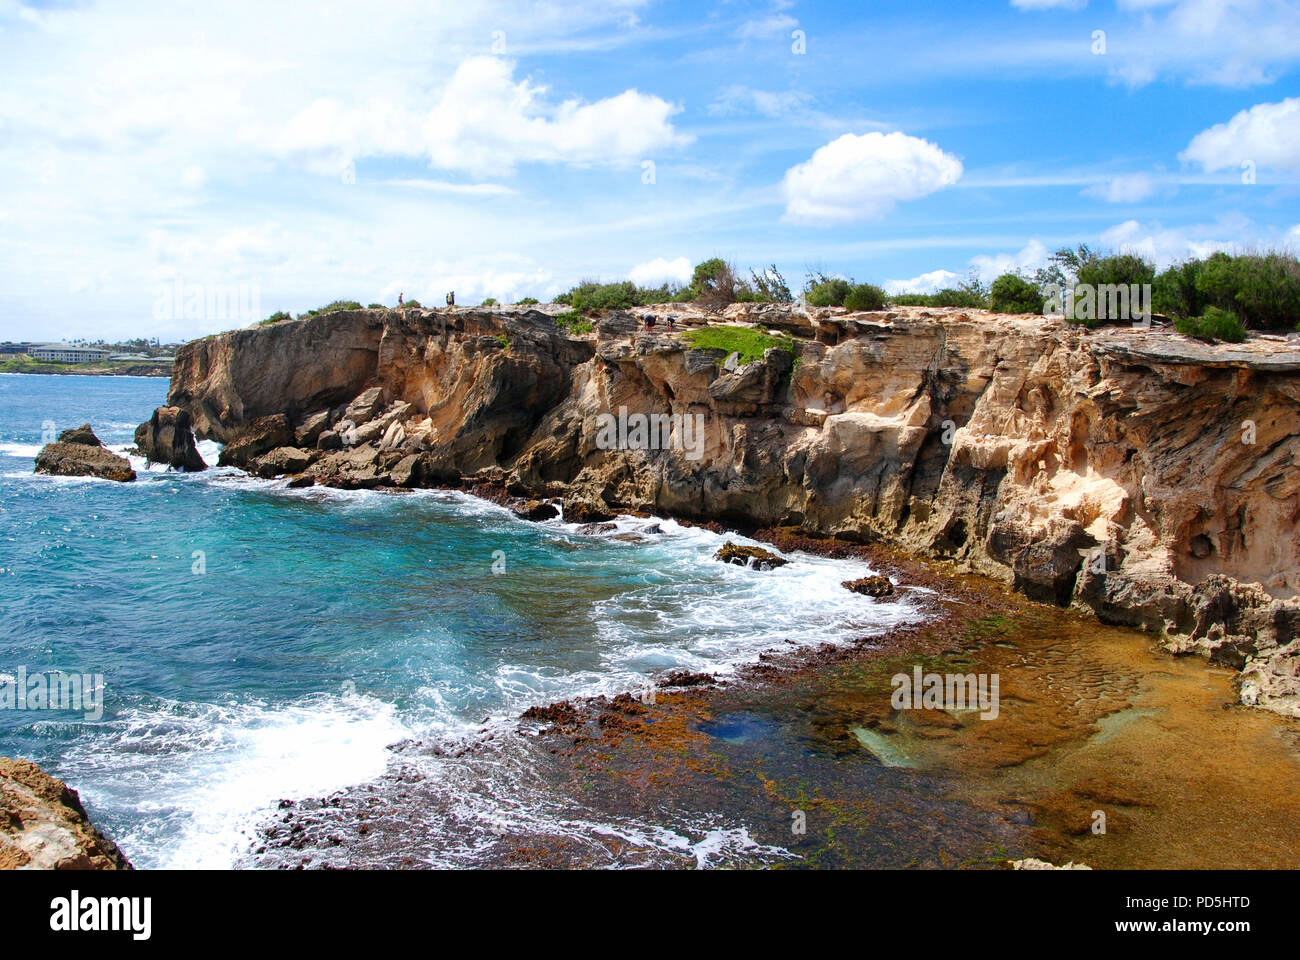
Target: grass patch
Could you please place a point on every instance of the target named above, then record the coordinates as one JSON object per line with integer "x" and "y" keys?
{"x": 749, "y": 343}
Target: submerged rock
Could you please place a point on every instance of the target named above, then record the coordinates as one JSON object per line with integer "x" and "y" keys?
{"x": 43, "y": 825}
{"x": 870, "y": 586}
{"x": 78, "y": 453}
{"x": 755, "y": 557}
{"x": 167, "y": 437}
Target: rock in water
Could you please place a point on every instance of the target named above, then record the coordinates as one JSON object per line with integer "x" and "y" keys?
{"x": 870, "y": 586}
{"x": 78, "y": 453}
{"x": 256, "y": 438}
{"x": 43, "y": 825}
{"x": 535, "y": 510}
{"x": 755, "y": 557}
{"x": 168, "y": 438}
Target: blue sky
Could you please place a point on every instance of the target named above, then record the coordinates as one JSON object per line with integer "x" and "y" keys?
{"x": 304, "y": 152}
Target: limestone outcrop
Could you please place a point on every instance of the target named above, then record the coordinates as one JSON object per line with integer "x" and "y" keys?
{"x": 79, "y": 453}
{"x": 1136, "y": 473}
{"x": 167, "y": 437}
{"x": 43, "y": 825}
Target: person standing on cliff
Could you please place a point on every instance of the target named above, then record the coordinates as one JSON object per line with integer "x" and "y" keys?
{"x": 451, "y": 299}
{"x": 399, "y": 300}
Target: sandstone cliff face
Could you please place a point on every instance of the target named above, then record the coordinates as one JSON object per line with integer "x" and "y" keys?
{"x": 44, "y": 827}
{"x": 1144, "y": 476}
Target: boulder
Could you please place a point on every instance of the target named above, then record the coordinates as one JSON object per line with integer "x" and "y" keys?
{"x": 586, "y": 511}
{"x": 256, "y": 438}
{"x": 283, "y": 460}
{"x": 870, "y": 586}
{"x": 311, "y": 427}
{"x": 535, "y": 510}
{"x": 755, "y": 557}
{"x": 367, "y": 404}
{"x": 167, "y": 437}
{"x": 78, "y": 453}
{"x": 43, "y": 825}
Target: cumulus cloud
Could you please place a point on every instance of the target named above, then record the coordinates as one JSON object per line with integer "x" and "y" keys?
{"x": 484, "y": 123}
{"x": 659, "y": 271}
{"x": 863, "y": 177}
{"x": 1125, "y": 188}
{"x": 474, "y": 282}
{"x": 1164, "y": 246}
{"x": 1027, "y": 260}
{"x": 925, "y": 283}
{"x": 1267, "y": 134}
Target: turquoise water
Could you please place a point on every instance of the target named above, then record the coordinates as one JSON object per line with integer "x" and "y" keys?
{"x": 260, "y": 643}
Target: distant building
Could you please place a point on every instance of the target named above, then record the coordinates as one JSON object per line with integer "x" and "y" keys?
{"x": 66, "y": 353}
{"x": 8, "y": 347}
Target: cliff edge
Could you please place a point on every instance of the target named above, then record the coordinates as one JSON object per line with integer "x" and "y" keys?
{"x": 1136, "y": 473}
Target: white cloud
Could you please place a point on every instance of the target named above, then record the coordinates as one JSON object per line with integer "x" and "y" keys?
{"x": 1268, "y": 135}
{"x": 769, "y": 26}
{"x": 739, "y": 99}
{"x": 473, "y": 283}
{"x": 660, "y": 271}
{"x": 451, "y": 189}
{"x": 925, "y": 283}
{"x": 862, "y": 177}
{"x": 1165, "y": 246}
{"x": 1125, "y": 188}
{"x": 1027, "y": 260}
{"x": 484, "y": 123}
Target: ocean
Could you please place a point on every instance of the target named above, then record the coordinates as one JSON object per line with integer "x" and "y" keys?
{"x": 258, "y": 643}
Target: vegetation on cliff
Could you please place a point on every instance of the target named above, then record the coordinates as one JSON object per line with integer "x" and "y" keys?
{"x": 751, "y": 344}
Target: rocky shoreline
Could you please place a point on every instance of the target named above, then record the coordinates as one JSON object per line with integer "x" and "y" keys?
{"x": 45, "y": 826}
{"x": 1140, "y": 475}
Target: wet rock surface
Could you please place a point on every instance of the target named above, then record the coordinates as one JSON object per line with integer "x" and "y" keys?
{"x": 167, "y": 437}
{"x": 79, "y": 453}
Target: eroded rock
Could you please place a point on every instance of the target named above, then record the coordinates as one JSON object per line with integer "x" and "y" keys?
{"x": 79, "y": 453}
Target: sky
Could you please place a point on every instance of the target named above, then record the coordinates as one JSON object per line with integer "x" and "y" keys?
{"x": 173, "y": 169}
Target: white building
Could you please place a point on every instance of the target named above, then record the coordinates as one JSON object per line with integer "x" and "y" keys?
{"x": 66, "y": 353}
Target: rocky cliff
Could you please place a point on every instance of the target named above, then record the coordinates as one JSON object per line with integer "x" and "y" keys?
{"x": 1136, "y": 473}
{"x": 44, "y": 827}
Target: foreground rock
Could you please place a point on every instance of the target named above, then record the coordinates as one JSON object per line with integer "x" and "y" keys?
{"x": 755, "y": 557}
{"x": 167, "y": 437}
{"x": 43, "y": 825}
{"x": 1134, "y": 473}
{"x": 870, "y": 586}
{"x": 79, "y": 453}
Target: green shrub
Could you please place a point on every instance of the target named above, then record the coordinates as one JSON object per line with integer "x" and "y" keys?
{"x": 489, "y": 302}
{"x": 413, "y": 305}
{"x": 376, "y": 306}
{"x": 1012, "y": 293}
{"x": 864, "y": 296}
{"x": 276, "y": 317}
{"x": 1215, "y": 325}
{"x": 827, "y": 292}
{"x": 526, "y": 302}
{"x": 1263, "y": 290}
{"x": 574, "y": 322}
{"x": 1174, "y": 293}
{"x": 751, "y": 344}
{"x": 1120, "y": 270}
{"x": 335, "y": 305}
{"x": 590, "y": 296}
